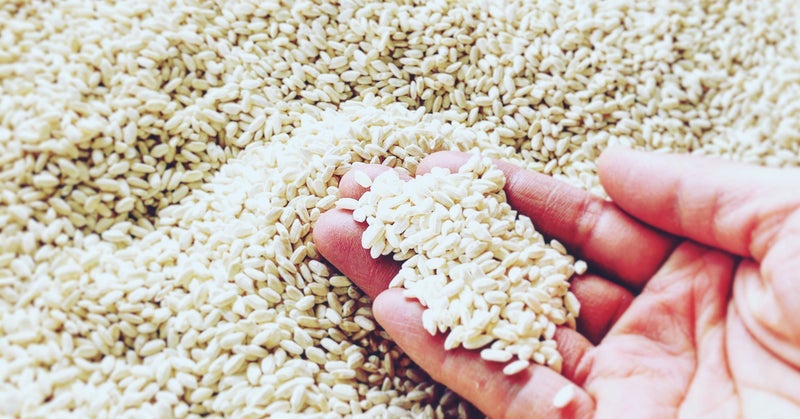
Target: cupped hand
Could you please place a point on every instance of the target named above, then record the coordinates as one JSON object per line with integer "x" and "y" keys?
{"x": 691, "y": 307}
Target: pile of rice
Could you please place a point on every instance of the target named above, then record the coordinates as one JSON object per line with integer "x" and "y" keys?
{"x": 162, "y": 164}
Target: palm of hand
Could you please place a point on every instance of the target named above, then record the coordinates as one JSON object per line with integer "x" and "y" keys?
{"x": 684, "y": 348}
{"x": 680, "y": 328}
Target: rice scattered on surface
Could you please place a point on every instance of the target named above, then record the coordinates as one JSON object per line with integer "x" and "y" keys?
{"x": 162, "y": 164}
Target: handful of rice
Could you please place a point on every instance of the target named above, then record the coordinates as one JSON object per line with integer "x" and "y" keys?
{"x": 482, "y": 271}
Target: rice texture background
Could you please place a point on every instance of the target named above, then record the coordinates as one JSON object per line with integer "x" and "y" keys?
{"x": 162, "y": 164}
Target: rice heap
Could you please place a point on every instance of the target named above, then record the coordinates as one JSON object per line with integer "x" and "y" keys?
{"x": 162, "y": 164}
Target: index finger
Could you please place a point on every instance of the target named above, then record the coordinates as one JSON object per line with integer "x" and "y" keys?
{"x": 589, "y": 226}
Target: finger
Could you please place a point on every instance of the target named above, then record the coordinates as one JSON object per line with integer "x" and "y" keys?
{"x": 573, "y": 346}
{"x": 338, "y": 238}
{"x": 526, "y": 394}
{"x": 592, "y": 228}
{"x": 602, "y": 303}
{"x": 731, "y": 206}
{"x": 349, "y": 186}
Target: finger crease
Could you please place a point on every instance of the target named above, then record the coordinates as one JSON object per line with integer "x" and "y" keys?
{"x": 590, "y": 213}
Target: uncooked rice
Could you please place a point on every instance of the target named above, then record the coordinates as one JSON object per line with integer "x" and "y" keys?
{"x": 162, "y": 164}
{"x": 485, "y": 276}
{"x": 564, "y": 396}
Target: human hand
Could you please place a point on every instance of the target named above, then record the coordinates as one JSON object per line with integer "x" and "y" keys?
{"x": 687, "y": 309}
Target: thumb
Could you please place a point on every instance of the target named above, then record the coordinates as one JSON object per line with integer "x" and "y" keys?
{"x": 731, "y": 206}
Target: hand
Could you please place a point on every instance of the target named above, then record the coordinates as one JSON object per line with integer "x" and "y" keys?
{"x": 691, "y": 306}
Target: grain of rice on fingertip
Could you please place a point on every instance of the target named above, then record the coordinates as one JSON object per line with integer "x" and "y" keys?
{"x": 564, "y": 396}
{"x": 515, "y": 367}
{"x": 362, "y": 179}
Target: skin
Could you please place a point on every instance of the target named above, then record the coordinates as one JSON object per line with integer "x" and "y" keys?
{"x": 689, "y": 309}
